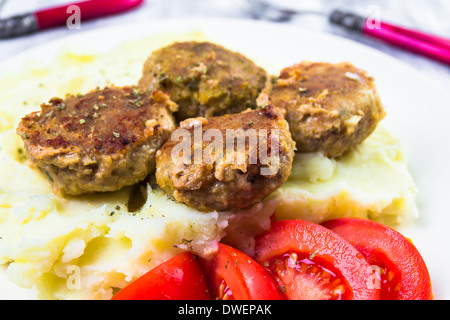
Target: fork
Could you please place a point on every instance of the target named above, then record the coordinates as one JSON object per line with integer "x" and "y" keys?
{"x": 431, "y": 46}
{"x": 263, "y": 10}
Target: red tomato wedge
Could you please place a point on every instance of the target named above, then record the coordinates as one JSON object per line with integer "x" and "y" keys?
{"x": 402, "y": 272}
{"x": 233, "y": 275}
{"x": 179, "y": 278}
{"x": 310, "y": 262}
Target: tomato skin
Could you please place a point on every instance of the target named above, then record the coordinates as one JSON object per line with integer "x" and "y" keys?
{"x": 179, "y": 278}
{"x": 382, "y": 246}
{"x": 323, "y": 245}
{"x": 241, "y": 275}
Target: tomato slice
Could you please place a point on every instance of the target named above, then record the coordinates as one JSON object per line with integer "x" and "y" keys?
{"x": 179, "y": 278}
{"x": 401, "y": 270}
{"x": 233, "y": 275}
{"x": 310, "y": 262}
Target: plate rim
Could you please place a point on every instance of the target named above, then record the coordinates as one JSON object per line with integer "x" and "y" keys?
{"x": 171, "y": 22}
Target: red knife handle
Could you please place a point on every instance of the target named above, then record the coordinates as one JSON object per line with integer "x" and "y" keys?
{"x": 56, "y": 16}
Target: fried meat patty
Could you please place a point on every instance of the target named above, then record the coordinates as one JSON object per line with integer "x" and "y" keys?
{"x": 227, "y": 178}
{"x": 203, "y": 78}
{"x": 102, "y": 141}
{"x": 330, "y": 108}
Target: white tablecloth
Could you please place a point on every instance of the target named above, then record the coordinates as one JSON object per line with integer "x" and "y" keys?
{"x": 431, "y": 16}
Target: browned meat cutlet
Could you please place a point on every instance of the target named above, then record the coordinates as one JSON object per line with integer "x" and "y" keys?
{"x": 102, "y": 141}
{"x": 330, "y": 108}
{"x": 228, "y": 180}
{"x": 204, "y": 79}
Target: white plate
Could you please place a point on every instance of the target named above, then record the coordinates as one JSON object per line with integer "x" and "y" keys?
{"x": 418, "y": 111}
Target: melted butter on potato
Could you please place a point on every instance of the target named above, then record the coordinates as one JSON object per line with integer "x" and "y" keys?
{"x": 52, "y": 243}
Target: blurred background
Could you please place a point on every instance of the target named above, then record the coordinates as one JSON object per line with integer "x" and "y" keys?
{"x": 429, "y": 16}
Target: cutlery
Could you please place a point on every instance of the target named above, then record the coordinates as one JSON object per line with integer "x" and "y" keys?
{"x": 431, "y": 46}
{"x": 47, "y": 18}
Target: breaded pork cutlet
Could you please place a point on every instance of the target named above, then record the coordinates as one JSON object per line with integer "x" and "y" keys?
{"x": 102, "y": 141}
{"x": 330, "y": 108}
{"x": 203, "y": 78}
{"x": 243, "y": 158}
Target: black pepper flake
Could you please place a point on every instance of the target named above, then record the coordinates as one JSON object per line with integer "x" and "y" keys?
{"x": 269, "y": 114}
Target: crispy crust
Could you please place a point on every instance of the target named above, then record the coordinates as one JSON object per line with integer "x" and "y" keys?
{"x": 220, "y": 185}
{"x": 204, "y": 79}
{"x": 330, "y": 108}
{"x": 101, "y": 141}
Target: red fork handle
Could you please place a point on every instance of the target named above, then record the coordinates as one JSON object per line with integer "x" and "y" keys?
{"x": 431, "y": 46}
{"x": 56, "y": 16}
{"x": 428, "y": 45}
{"x": 426, "y": 37}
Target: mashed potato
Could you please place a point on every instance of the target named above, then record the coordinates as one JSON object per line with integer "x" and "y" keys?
{"x": 373, "y": 181}
{"x": 85, "y": 247}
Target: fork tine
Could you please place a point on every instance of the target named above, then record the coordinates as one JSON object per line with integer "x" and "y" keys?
{"x": 263, "y": 10}
{"x": 250, "y": 8}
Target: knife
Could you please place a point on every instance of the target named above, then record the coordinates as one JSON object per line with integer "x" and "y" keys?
{"x": 47, "y": 18}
